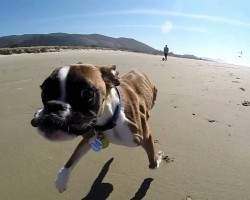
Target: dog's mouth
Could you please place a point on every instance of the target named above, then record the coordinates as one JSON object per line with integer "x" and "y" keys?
{"x": 72, "y": 123}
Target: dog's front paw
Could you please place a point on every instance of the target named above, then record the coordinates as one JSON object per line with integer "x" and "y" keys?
{"x": 62, "y": 179}
{"x": 159, "y": 157}
{"x": 157, "y": 160}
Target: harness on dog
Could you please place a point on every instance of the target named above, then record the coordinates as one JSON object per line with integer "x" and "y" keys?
{"x": 112, "y": 122}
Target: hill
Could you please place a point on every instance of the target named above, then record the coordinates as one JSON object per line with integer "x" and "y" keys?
{"x": 84, "y": 40}
{"x": 39, "y": 43}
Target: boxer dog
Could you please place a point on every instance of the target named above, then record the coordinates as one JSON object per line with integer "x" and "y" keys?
{"x": 93, "y": 102}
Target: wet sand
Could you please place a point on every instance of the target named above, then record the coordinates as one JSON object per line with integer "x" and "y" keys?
{"x": 198, "y": 121}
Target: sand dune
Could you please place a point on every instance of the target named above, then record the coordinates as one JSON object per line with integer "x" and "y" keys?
{"x": 199, "y": 120}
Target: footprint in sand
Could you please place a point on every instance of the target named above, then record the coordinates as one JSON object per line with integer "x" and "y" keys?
{"x": 246, "y": 103}
{"x": 211, "y": 120}
{"x": 167, "y": 159}
{"x": 243, "y": 89}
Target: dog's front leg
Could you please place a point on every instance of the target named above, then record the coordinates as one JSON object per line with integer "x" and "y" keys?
{"x": 64, "y": 174}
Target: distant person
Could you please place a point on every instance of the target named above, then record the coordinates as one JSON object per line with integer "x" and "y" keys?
{"x": 166, "y": 52}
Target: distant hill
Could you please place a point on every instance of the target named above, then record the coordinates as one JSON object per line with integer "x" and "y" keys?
{"x": 40, "y": 43}
{"x": 64, "y": 39}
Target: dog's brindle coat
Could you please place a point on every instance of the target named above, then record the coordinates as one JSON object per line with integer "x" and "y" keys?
{"x": 80, "y": 97}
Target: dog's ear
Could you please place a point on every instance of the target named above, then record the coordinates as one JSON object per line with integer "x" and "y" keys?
{"x": 110, "y": 75}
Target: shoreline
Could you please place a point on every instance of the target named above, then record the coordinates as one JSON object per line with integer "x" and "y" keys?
{"x": 101, "y": 50}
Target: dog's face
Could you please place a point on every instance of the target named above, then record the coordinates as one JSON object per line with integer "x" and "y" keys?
{"x": 73, "y": 97}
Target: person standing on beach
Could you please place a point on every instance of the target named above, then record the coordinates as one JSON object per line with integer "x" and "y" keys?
{"x": 166, "y": 52}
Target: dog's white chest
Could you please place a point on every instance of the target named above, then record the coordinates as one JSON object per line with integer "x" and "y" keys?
{"x": 121, "y": 133}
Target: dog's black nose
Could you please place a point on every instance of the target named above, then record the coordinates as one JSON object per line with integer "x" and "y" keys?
{"x": 34, "y": 122}
{"x": 55, "y": 106}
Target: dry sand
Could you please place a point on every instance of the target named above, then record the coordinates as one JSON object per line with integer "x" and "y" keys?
{"x": 198, "y": 120}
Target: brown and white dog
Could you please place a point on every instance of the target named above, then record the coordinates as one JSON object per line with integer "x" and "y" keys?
{"x": 93, "y": 102}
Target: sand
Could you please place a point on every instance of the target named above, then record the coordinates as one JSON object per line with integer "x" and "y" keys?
{"x": 198, "y": 121}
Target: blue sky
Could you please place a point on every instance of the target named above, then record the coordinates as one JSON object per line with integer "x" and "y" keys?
{"x": 216, "y": 29}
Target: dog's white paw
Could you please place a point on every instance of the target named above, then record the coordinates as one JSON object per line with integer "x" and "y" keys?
{"x": 159, "y": 157}
{"x": 62, "y": 179}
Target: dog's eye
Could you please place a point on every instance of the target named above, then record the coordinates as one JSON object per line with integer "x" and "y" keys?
{"x": 87, "y": 94}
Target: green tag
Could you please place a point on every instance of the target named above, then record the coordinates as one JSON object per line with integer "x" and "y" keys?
{"x": 105, "y": 142}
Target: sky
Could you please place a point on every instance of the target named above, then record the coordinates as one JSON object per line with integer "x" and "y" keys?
{"x": 217, "y": 29}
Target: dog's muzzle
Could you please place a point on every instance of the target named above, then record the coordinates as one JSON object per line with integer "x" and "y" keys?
{"x": 59, "y": 116}
{"x": 52, "y": 111}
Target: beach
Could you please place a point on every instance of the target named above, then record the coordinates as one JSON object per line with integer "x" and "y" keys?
{"x": 198, "y": 121}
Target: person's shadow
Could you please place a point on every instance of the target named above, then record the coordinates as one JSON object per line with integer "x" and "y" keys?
{"x": 101, "y": 191}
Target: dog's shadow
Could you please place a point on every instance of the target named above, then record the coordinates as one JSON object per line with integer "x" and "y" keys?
{"x": 101, "y": 191}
